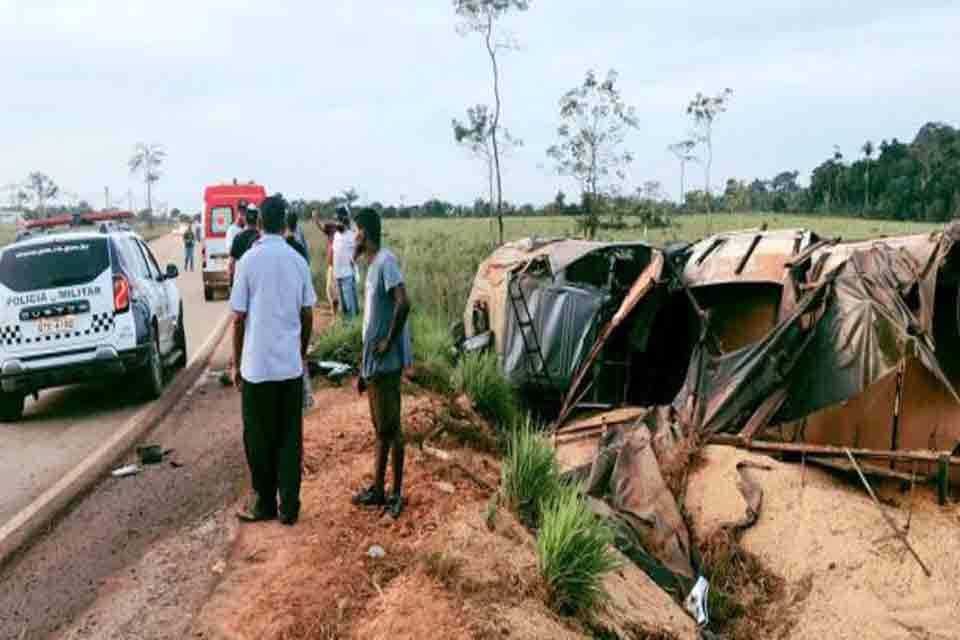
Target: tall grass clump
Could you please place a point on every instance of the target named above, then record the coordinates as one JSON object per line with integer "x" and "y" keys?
{"x": 477, "y": 376}
{"x": 573, "y": 553}
{"x": 529, "y": 474}
{"x": 342, "y": 342}
{"x": 432, "y": 351}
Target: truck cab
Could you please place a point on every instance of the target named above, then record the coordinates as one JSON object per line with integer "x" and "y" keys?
{"x": 221, "y": 204}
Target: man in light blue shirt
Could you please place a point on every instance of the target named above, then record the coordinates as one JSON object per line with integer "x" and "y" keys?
{"x": 386, "y": 353}
{"x": 272, "y": 301}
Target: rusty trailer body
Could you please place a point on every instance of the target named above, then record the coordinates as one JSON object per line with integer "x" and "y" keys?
{"x": 804, "y": 340}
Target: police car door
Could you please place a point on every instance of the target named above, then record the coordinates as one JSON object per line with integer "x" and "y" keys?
{"x": 169, "y": 308}
{"x": 145, "y": 286}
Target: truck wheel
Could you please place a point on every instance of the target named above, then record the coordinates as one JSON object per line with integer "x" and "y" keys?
{"x": 152, "y": 374}
{"x": 11, "y": 406}
{"x": 207, "y": 294}
{"x": 180, "y": 341}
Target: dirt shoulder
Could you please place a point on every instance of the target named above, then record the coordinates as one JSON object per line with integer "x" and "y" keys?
{"x": 451, "y": 569}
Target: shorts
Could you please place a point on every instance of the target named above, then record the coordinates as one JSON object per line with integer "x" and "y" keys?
{"x": 383, "y": 394}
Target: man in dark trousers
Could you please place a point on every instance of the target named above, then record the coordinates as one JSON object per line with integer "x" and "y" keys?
{"x": 386, "y": 352}
{"x": 272, "y": 302}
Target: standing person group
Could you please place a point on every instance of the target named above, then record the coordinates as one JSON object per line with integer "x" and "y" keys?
{"x": 272, "y": 302}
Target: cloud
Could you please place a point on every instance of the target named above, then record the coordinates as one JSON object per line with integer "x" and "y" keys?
{"x": 313, "y": 97}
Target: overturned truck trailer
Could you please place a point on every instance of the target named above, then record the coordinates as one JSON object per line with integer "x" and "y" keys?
{"x": 539, "y": 304}
{"x": 794, "y": 338}
{"x": 774, "y": 340}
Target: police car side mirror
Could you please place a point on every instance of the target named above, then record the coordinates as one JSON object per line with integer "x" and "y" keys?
{"x": 172, "y": 272}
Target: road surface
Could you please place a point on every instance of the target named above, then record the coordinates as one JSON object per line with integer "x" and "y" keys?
{"x": 66, "y": 424}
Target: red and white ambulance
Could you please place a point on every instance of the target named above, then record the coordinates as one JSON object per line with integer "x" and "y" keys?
{"x": 220, "y": 210}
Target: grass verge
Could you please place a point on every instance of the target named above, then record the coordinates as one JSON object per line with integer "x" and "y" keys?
{"x": 477, "y": 377}
{"x": 341, "y": 342}
{"x": 433, "y": 367}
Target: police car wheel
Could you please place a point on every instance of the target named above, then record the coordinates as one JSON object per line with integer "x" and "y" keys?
{"x": 153, "y": 372}
{"x": 11, "y": 406}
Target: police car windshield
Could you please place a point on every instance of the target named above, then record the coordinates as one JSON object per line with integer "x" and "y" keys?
{"x": 52, "y": 264}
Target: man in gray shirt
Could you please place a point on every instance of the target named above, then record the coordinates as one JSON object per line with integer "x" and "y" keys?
{"x": 386, "y": 352}
{"x": 272, "y": 302}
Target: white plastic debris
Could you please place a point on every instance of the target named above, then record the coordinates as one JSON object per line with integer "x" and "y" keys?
{"x": 129, "y": 470}
{"x": 376, "y": 552}
{"x": 696, "y": 602}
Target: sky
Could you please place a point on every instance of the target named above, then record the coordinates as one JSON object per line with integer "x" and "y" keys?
{"x": 310, "y": 98}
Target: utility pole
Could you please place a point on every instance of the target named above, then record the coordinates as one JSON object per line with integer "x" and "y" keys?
{"x": 106, "y": 198}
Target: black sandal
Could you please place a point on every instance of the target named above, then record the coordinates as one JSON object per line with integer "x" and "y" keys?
{"x": 369, "y": 498}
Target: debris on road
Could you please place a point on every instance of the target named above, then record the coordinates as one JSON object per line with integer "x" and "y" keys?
{"x": 376, "y": 552}
{"x": 128, "y": 470}
{"x": 150, "y": 454}
{"x": 330, "y": 369}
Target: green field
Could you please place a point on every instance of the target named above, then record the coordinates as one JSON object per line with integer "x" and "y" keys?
{"x": 440, "y": 257}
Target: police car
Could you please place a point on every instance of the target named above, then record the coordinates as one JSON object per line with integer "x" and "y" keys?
{"x": 82, "y": 306}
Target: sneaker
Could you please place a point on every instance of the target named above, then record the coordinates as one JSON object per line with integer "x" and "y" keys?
{"x": 369, "y": 498}
{"x": 394, "y": 506}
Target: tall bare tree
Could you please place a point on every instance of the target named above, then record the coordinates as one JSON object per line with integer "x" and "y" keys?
{"x": 704, "y": 110}
{"x": 147, "y": 159}
{"x": 481, "y": 17}
{"x": 348, "y": 196}
{"x": 594, "y": 123}
{"x": 683, "y": 150}
{"x": 476, "y": 135}
{"x": 42, "y": 188}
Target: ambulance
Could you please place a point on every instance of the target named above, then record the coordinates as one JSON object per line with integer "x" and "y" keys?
{"x": 221, "y": 203}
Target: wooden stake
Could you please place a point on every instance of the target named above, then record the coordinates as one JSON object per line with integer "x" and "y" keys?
{"x": 893, "y": 525}
{"x": 827, "y": 451}
{"x": 943, "y": 478}
{"x": 897, "y": 404}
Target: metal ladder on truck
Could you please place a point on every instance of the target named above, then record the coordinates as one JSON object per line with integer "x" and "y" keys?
{"x": 536, "y": 363}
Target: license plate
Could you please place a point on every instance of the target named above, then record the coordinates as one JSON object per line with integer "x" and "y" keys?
{"x": 57, "y": 325}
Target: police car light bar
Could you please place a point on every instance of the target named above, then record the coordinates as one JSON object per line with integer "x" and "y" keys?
{"x": 68, "y": 219}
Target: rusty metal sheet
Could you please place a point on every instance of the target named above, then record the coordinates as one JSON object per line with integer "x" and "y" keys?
{"x": 750, "y": 256}
{"x": 640, "y": 289}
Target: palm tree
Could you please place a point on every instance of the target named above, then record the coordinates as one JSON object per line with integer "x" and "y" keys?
{"x": 838, "y": 172}
{"x": 867, "y": 149}
{"x": 147, "y": 159}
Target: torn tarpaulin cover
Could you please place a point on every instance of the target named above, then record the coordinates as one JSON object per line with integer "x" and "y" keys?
{"x": 845, "y": 334}
{"x": 630, "y": 472}
{"x": 874, "y": 318}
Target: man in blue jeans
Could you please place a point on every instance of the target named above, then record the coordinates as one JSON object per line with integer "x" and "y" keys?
{"x": 344, "y": 241}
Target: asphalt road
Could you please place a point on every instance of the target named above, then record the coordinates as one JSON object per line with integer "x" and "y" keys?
{"x": 67, "y": 424}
